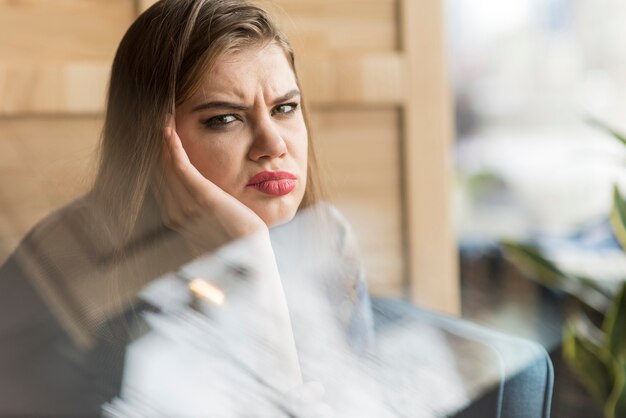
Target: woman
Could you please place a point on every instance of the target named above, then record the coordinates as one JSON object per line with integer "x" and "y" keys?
{"x": 205, "y": 142}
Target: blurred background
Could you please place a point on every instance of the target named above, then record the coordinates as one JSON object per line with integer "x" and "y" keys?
{"x": 532, "y": 79}
{"x": 528, "y": 76}
{"x": 444, "y": 127}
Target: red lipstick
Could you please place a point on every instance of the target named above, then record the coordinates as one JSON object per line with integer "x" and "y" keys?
{"x": 275, "y": 183}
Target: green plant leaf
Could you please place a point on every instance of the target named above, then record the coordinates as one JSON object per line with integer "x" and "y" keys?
{"x": 609, "y": 130}
{"x": 615, "y": 406}
{"x": 590, "y": 362}
{"x": 618, "y": 217}
{"x": 530, "y": 259}
{"x": 614, "y": 325}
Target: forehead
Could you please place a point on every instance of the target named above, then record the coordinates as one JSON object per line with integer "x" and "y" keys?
{"x": 245, "y": 73}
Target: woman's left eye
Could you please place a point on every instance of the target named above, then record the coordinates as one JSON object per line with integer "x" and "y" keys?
{"x": 285, "y": 108}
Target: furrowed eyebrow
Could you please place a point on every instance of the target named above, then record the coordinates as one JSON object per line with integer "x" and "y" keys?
{"x": 220, "y": 105}
{"x": 290, "y": 95}
{"x": 237, "y": 106}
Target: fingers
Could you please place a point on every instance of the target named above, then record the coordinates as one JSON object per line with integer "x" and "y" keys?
{"x": 187, "y": 197}
{"x": 175, "y": 146}
{"x": 199, "y": 187}
{"x": 177, "y": 204}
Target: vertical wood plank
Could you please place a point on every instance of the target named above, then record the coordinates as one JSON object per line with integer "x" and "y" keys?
{"x": 350, "y": 57}
{"x": 428, "y": 165}
{"x": 44, "y": 163}
{"x": 359, "y": 160}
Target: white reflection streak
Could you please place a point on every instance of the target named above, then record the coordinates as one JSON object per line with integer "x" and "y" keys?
{"x": 206, "y": 291}
{"x": 206, "y": 357}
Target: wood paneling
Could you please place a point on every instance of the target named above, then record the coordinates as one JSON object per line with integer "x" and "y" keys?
{"x": 428, "y": 159}
{"x": 79, "y": 88}
{"x": 337, "y": 26}
{"x": 62, "y": 30}
{"x": 53, "y": 88}
{"x": 373, "y": 79}
{"x": 55, "y": 55}
{"x": 373, "y": 71}
{"x": 328, "y": 26}
{"x": 44, "y": 163}
{"x": 144, "y": 4}
{"x": 359, "y": 158}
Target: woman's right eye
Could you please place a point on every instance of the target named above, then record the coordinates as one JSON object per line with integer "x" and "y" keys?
{"x": 220, "y": 122}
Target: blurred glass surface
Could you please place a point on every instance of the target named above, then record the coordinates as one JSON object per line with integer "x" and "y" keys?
{"x": 234, "y": 333}
{"x": 424, "y": 364}
{"x": 528, "y": 75}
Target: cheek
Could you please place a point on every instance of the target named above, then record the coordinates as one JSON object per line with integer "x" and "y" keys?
{"x": 220, "y": 165}
{"x": 300, "y": 146}
{"x": 213, "y": 159}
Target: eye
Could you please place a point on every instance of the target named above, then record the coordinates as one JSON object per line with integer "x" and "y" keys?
{"x": 220, "y": 121}
{"x": 285, "y": 108}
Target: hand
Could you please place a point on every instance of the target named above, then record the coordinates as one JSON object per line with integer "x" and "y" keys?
{"x": 203, "y": 213}
{"x": 207, "y": 217}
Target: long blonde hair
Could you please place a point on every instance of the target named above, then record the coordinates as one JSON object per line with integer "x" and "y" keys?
{"x": 158, "y": 65}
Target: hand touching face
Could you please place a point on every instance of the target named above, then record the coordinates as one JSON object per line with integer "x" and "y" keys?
{"x": 245, "y": 132}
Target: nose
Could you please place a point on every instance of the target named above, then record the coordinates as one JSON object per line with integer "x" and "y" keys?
{"x": 267, "y": 141}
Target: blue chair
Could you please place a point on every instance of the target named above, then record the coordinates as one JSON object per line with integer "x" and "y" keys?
{"x": 493, "y": 374}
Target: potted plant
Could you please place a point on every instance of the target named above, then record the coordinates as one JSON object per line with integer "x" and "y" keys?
{"x": 594, "y": 336}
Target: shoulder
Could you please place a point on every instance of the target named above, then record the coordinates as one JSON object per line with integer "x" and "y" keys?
{"x": 71, "y": 227}
{"x": 347, "y": 287}
{"x": 336, "y": 247}
{"x": 55, "y": 238}
{"x": 325, "y": 222}
{"x": 64, "y": 240}
{"x": 34, "y": 324}
{"x": 44, "y": 263}
{"x": 339, "y": 222}
{"x": 84, "y": 275}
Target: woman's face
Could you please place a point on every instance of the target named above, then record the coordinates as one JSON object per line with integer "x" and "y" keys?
{"x": 244, "y": 131}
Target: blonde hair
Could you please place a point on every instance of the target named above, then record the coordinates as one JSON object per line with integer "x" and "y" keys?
{"x": 158, "y": 65}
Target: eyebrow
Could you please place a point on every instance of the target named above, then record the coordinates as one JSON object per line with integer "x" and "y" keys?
{"x": 238, "y": 106}
{"x": 288, "y": 96}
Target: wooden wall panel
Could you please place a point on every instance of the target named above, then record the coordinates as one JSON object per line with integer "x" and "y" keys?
{"x": 337, "y": 26}
{"x": 55, "y": 55}
{"x": 428, "y": 159}
{"x": 53, "y": 88}
{"x": 373, "y": 71}
{"x": 333, "y": 25}
{"x": 373, "y": 79}
{"x": 44, "y": 163}
{"x": 62, "y": 30}
{"x": 79, "y": 88}
{"x": 359, "y": 158}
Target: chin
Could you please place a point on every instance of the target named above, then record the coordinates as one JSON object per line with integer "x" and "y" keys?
{"x": 277, "y": 218}
{"x": 278, "y": 212}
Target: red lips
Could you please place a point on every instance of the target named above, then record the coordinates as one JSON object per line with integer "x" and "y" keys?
{"x": 275, "y": 183}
